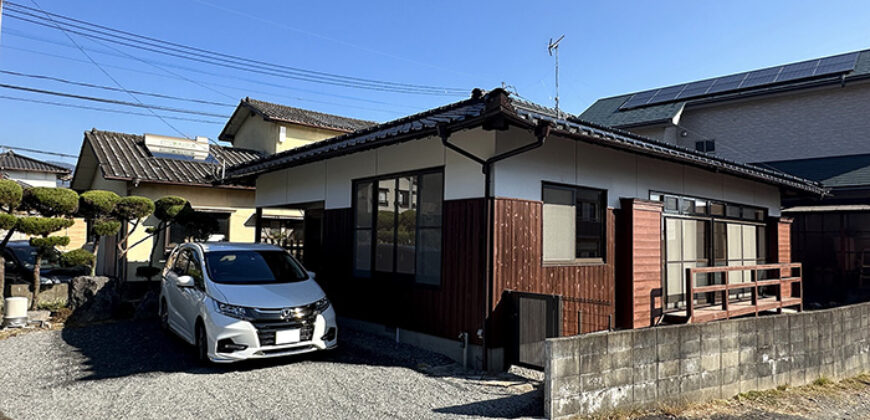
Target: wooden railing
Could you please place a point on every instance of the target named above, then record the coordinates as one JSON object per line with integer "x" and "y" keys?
{"x": 781, "y": 277}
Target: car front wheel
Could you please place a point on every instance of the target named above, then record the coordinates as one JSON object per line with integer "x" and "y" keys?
{"x": 202, "y": 344}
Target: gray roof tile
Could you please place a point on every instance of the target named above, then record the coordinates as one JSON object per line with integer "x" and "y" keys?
{"x": 124, "y": 156}
{"x": 11, "y": 161}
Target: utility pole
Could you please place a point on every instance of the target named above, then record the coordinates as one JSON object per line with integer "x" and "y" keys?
{"x": 1, "y": 14}
{"x": 553, "y": 48}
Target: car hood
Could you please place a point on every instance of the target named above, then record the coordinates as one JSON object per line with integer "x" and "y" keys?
{"x": 278, "y": 295}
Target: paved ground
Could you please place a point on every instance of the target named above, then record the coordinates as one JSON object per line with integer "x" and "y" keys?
{"x": 132, "y": 370}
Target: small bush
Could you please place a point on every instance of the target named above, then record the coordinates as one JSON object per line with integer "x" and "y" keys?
{"x": 42, "y": 226}
{"x": 97, "y": 203}
{"x": 823, "y": 381}
{"x": 51, "y": 201}
{"x": 77, "y": 257}
{"x": 168, "y": 208}
{"x": 49, "y": 242}
{"x": 133, "y": 208}
{"x": 7, "y": 221}
{"x": 106, "y": 227}
{"x": 10, "y": 193}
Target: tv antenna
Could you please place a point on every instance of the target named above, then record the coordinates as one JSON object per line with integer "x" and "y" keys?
{"x": 553, "y": 49}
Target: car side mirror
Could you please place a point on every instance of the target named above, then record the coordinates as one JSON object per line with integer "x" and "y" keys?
{"x": 184, "y": 281}
{"x": 312, "y": 275}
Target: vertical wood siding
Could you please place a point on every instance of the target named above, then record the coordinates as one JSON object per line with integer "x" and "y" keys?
{"x": 453, "y": 307}
{"x": 783, "y": 247}
{"x": 587, "y": 291}
{"x": 641, "y": 267}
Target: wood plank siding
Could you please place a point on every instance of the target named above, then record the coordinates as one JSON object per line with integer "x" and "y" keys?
{"x": 640, "y": 276}
{"x": 783, "y": 246}
{"x": 587, "y": 291}
{"x": 453, "y": 307}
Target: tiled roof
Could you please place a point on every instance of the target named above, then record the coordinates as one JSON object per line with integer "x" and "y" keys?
{"x": 833, "y": 172}
{"x": 11, "y": 161}
{"x": 124, "y": 156}
{"x": 606, "y": 111}
{"x": 288, "y": 114}
{"x": 472, "y": 112}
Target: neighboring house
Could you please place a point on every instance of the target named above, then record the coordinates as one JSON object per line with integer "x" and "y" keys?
{"x": 493, "y": 219}
{"x": 157, "y": 166}
{"x": 807, "y": 119}
{"x": 30, "y": 172}
{"x": 271, "y": 128}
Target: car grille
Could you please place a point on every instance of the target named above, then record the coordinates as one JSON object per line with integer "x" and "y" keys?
{"x": 268, "y": 321}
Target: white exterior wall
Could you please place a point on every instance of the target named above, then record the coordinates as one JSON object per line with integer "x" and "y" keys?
{"x": 35, "y": 179}
{"x": 331, "y": 180}
{"x": 622, "y": 174}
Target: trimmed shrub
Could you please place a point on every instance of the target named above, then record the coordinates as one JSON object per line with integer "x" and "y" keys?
{"x": 168, "y": 208}
{"x": 8, "y": 221}
{"x": 133, "y": 208}
{"x": 106, "y": 227}
{"x": 42, "y": 226}
{"x": 77, "y": 257}
{"x": 97, "y": 203}
{"x": 51, "y": 201}
{"x": 49, "y": 242}
{"x": 10, "y": 193}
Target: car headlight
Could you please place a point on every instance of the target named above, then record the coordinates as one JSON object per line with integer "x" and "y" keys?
{"x": 321, "y": 305}
{"x": 232, "y": 311}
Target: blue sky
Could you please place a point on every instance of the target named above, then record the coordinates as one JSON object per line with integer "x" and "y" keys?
{"x": 609, "y": 48}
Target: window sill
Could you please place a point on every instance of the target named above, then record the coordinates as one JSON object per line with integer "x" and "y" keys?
{"x": 575, "y": 263}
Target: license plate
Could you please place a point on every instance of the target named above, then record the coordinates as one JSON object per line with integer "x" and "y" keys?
{"x": 287, "y": 336}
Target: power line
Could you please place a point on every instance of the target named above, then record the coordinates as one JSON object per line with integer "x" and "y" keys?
{"x": 115, "y": 81}
{"x": 116, "y": 111}
{"x": 91, "y": 85}
{"x": 13, "y": 32}
{"x": 110, "y": 101}
{"x": 6, "y": 146}
{"x": 338, "y": 41}
{"x": 87, "y": 29}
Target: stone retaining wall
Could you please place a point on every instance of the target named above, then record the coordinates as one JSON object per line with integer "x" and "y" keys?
{"x": 600, "y": 372}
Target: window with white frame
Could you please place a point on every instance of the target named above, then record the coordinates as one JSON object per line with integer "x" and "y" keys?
{"x": 574, "y": 224}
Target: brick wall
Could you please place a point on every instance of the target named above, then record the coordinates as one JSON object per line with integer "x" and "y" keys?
{"x": 600, "y": 372}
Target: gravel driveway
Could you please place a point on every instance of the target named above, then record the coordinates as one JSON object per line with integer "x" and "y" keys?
{"x": 133, "y": 370}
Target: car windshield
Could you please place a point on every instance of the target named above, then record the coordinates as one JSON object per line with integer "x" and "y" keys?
{"x": 27, "y": 256}
{"x": 253, "y": 267}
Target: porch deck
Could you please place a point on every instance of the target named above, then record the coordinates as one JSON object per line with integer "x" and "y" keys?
{"x": 786, "y": 282}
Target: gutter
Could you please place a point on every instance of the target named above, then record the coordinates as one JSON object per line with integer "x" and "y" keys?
{"x": 541, "y": 131}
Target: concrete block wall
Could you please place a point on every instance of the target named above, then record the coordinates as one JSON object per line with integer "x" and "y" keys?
{"x": 605, "y": 371}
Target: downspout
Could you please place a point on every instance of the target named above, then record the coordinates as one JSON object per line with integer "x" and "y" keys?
{"x": 542, "y": 131}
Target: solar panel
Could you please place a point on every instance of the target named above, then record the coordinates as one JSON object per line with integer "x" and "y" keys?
{"x": 696, "y": 88}
{"x": 797, "y": 70}
{"x": 640, "y": 98}
{"x": 837, "y": 64}
{"x": 727, "y": 83}
{"x": 667, "y": 94}
{"x": 763, "y": 77}
{"x": 760, "y": 77}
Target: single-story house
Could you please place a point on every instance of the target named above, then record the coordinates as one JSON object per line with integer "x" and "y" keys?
{"x": 504, "y": 222}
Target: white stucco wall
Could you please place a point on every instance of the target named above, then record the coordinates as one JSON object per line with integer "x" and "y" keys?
{"x": 331, "y": 180}
{"x": 35, "y": 179}
{"x": 621, "y": 174}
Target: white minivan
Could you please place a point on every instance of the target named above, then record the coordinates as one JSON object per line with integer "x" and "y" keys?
{"x": 238, "y": 301}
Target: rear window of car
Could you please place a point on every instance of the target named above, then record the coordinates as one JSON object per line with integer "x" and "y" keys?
{"x": 253, "y": 267}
